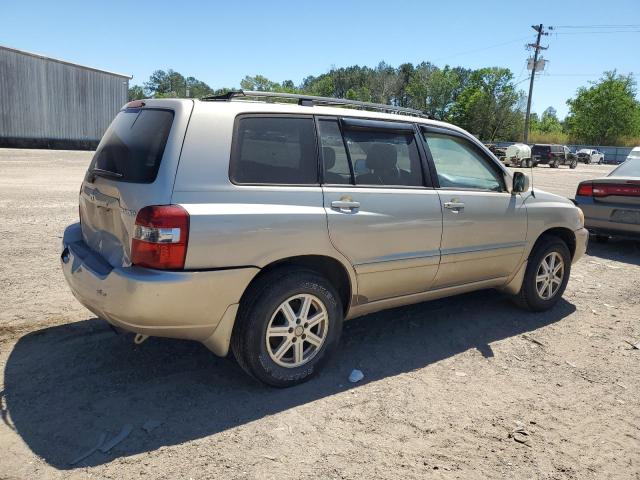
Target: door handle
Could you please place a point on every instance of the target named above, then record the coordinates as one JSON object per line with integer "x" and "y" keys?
{"x": 455, "y": 206}
{"x": 345, "y": 205}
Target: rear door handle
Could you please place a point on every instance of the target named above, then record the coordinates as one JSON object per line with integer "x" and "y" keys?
{"x": 455, "y": 206}
{"x": 345, "y": 205}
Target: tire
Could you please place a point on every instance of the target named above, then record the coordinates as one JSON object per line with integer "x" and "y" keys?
{"x": 553, "y": 164}
{"x": 573, "y": 164}
{"x": 529, "y": 296}
{"x": 528, "y": 163}
{"x": 263, "y": 307}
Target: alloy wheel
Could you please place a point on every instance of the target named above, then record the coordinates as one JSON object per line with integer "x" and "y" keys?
{"x": 297, "y": 330}
{"x": 549, "y": 275}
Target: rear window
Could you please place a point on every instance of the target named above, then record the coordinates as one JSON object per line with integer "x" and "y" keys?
{"x": 630, "y": 168}
{"x": 133, "y": 145}
{"x": 274, "y": 150}
{"x": 540, "y": 149}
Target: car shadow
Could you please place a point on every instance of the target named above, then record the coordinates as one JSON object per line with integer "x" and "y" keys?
{"x": 618, "y": 249}
{"x": 68, "y": 385}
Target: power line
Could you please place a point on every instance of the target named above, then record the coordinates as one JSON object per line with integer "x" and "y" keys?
{"x": 482, "y": 49}
{"x": 595, "y": 32}
{"x": 593, "y": 26}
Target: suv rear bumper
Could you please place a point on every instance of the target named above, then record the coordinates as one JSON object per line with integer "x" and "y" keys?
{"x": 152, "y": 302}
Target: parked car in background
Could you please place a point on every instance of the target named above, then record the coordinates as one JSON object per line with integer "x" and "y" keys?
{"x": 246, "y": 226}
{"x": 634, "y": 153}
{"x": 518, "y": 155}
{"x": 499, "y": 152}
{"x": 553, "y": 155}
{"x": 588, "y": 156}
{"x": 611, "y": 204}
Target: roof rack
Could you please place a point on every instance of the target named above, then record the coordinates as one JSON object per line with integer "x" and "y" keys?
{"x": 311, "y": 100}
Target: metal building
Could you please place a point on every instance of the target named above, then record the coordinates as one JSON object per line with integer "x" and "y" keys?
{"x": 50, "y": 103}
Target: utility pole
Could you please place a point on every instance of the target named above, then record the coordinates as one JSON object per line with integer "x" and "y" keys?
{"x": 537, "y": 47}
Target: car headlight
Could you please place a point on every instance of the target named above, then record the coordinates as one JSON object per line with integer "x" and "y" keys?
{"x": 581, "y": 217}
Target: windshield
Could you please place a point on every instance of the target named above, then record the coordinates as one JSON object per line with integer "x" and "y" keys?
{"x": 630, "y": 168}
{"x": 132, "y": 147}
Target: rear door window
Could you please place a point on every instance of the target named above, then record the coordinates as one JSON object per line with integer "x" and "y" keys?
{"x": 133, "y": 145}
{"x": 274, "y": 151}
{"x": 336, "y": 170}
{"x": 383, "y": 155}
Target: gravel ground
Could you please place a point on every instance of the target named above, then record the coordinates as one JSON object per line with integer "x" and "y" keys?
{"x": 468, "y": 387}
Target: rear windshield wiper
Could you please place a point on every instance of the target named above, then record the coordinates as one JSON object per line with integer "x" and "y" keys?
{"x": 105, "y": 173}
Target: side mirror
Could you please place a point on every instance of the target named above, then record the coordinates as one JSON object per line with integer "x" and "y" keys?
{"x": 520, "y": 182}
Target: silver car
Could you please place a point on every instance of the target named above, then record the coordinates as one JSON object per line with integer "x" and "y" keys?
{"x": 611, "y": 205}
{"x": 260, "y": 226}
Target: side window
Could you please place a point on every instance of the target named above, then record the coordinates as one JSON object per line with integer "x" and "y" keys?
{"x": 459, "y": 165}
{"x": 274, "y": 150}
{"x": 334, "y": 156}
{"x": 384, "y": 158}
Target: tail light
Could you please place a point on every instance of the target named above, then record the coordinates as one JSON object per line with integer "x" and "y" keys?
{"x": 585, "y": 190}
{"x": 161, "y": 237}
{"x": 608, "y": 189}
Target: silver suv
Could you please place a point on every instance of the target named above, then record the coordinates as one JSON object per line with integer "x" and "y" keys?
{"x": 259, "y": 226}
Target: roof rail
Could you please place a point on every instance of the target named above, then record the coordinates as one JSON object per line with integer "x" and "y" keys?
{"x": 311, "y": 100}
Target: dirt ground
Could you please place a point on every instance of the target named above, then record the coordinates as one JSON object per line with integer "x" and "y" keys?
{"x": 468, "y": 387}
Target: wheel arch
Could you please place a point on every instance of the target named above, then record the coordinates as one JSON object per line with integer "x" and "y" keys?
{"x": 342, "y": 278}
{"x": 565, "y": 234}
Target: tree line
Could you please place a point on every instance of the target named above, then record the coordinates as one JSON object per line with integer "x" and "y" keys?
{"x": 487, "y": 101}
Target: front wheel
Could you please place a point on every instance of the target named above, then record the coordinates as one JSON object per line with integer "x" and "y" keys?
{"x": 546, "y": 276}
{"x": 288, "y": 325}
{"x": 573, "y": 164}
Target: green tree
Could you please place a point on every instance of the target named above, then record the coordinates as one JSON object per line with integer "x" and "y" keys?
{"x": 166, "y": 84}
{"x": 434, "y": 90}
{"x": 136, "y": 92}
{"x": 489, "y": 106}
{"x": 259, "y": 83}
{"x": 606, "y": 111}
{"x": 549, "y": 122}
{"x": 172, "y": 84}
{"x": 196, "y": 88}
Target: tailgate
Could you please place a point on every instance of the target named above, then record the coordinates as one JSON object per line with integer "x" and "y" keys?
{"x": 134, "y": 166}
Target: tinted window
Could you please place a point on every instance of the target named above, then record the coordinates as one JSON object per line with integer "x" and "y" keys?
{"x": 384, "y": 158}
{"x": 275, "y": 150}
{"x": 133, "y": 144}
{"x": 459, "y": 165}
{"x": 540, "y": 149}
{"x": 334, "y": 155}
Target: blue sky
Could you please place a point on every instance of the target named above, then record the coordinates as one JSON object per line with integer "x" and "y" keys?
{"x": 220, "y": 43}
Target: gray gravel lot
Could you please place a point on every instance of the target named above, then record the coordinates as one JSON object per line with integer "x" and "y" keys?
{"x": 468, "y": 387}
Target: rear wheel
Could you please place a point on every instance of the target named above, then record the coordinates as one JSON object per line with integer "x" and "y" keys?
{"x": 546, "y": 276}
{"x": 287, "y": 327}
